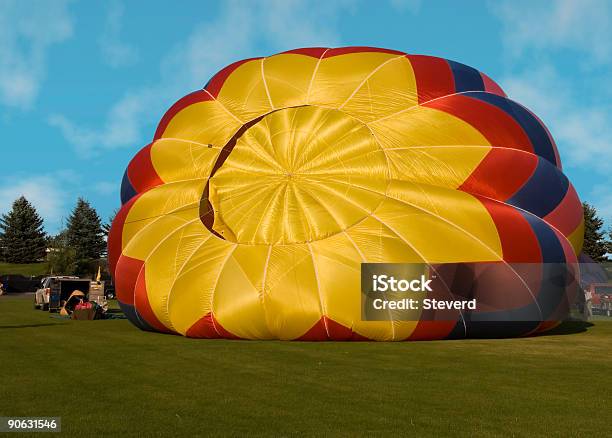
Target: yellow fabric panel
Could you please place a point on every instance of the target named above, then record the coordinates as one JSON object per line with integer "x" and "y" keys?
{"x": 250, "y": 215}
{"x": 576, "y": 239}
{"x": 425, "y": 130}
{"x": 346, "y": 202}
{"x": 379, "y": 244}
{"x": 339, "y": 267}
{"x": 178, "y": 160}
{"x": 239, "y": 296}
{"x": 244, "y": 91}
{"x": 337, "y": 77}
{"x": 284, "y": 184}
{"x": 144, "y": 235}
{"x": 157, "y": 212}
{"x": 193, "y": 289}
{"x": 286, "y": 213}
{"x": 207, "y": 122}
{"x": 293, "y": 302}
{"x": 388, "y": 90}
{"x": 301, "y": 139}
{"x": 288, "y": 77}
{"x": 385, "y": 330}
{"x": 435, "y": 165}
{"x": 168, "y": 260}
{"x": 422, "y": 126}
{"x": 430, "y": 223}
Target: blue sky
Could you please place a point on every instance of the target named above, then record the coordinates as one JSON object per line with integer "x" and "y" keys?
{"x": 83, "y": 84}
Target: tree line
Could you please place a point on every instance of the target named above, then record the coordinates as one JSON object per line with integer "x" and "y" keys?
{"x": 597, "y": 243}
{"x": 81, "y": 244}
{"x": 76, "y": 249}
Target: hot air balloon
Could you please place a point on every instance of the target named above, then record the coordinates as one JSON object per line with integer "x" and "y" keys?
{"x": 251, "y": 212}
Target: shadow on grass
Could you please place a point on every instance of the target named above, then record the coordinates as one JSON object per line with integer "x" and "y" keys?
{"x": 27, "y": 325}
{"x": 569, "y": 328}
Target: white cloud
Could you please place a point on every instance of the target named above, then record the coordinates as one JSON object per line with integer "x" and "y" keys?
{"x": 584, "y": 25}
{"x": 106, "y": 188}
{"x": 211, "y": 46}
{"x": 236, "y": 33}
{"x": 290, "y": 24}
{"x": 46, "y": 193}
{"x": 122, "y": 128}
{"x": 116, "y": 52}
{"x": 582, "y": 132}
{"x": 27, "y": 31}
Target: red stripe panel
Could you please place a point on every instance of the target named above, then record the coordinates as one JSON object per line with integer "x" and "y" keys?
{"x": 203, "y": 328}
{"x": 208, "y": 327}
{"x": 115, "y": 236}
{"x": 190, "y": 99}
{"x": 126, "y": 276}
{"x": 359, "y": 49}
{"x": 501, "y": 173}
{"x": 434, "y": 77}
{"x": 519, "y": 242}
{"x": 432, "y": 330}
{"x": 504, "y": 286}
{"x": 491, "y": 86}
{"x": 217, "y": 81}
{"x": 566, "y": 217}
{"x": 337, "y": 332}
{"x": 141, "y": 172}
{"x": 499, "y": 128}
{"x": 142, "y": 305}
{"x": 326, "y": 52}
{"x": 315, "y": 52}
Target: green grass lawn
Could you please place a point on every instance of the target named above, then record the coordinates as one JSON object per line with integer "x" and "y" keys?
{"x": 26, "y": 269}
{"x": 107, "y": 377}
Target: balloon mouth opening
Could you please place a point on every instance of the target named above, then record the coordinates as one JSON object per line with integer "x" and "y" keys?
{"x": 306, "y": 173}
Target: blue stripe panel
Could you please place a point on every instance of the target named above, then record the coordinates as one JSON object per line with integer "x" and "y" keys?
{"x": 543, "y": 191}
{"x": 134, "y": 317}
{"x": 552, "y": 251}
{"x": 466, "y": 78}
{"x": 127, "y": 191}
{"x": 458, "y": 332}
{"x": 555, "y": 275}
{"x": 540, "y": 140}
{"x": 557, "y": 279}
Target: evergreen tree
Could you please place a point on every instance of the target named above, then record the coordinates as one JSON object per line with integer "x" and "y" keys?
{"x": 62, "y": 258}
{"x": 85, "y": 235}
{"x": 107, "y": 226}
{"x": 595, "y": 245}
{"x": 22, "y": 237}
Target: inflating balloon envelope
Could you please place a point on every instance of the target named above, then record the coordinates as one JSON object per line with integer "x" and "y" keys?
{"x": 250, "y": 213}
